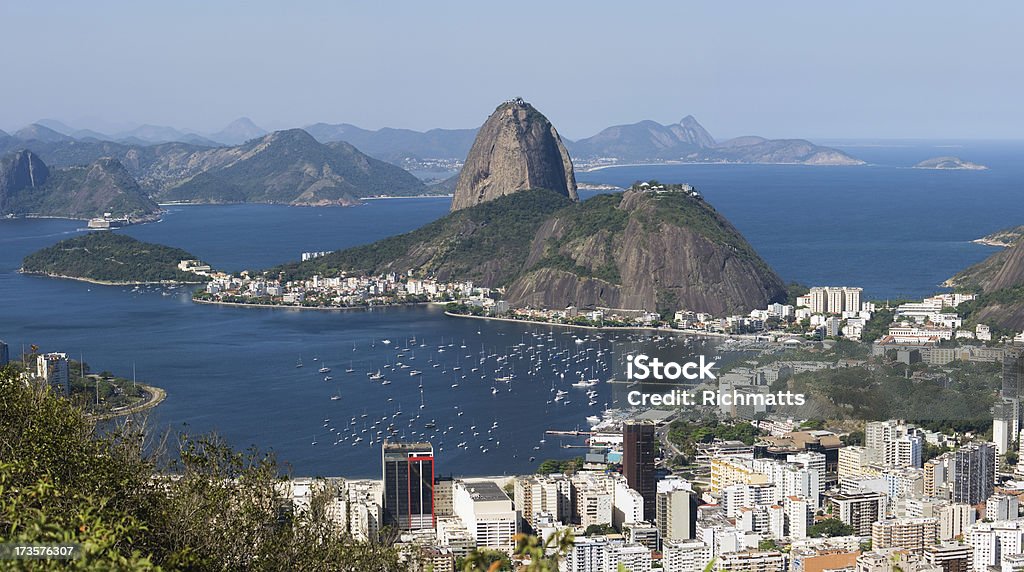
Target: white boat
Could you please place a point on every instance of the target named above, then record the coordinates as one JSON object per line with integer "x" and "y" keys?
{"x": 386, "y": 342}
{"x": 335, "y": 397}
{"x": 324, "y": 369}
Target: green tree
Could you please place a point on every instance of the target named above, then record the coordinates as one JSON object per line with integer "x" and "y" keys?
{"x": 829, "y": 527}
{"x": 61, "y": 480}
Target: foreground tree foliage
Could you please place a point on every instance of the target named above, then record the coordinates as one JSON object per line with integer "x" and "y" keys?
{"x": 212, "y": 508}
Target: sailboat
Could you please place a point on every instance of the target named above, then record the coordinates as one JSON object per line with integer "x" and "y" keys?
{"x": 299, "y": 363}
{"x": 335, "y": 397}
{"x": 349, "y": 369}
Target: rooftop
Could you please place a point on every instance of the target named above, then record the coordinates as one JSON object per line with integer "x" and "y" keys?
{"x": 485, "y": 491}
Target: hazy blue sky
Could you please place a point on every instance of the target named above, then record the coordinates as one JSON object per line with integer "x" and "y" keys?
{"x": 779, "y": 69}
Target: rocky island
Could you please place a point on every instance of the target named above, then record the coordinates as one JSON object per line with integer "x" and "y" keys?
{"x": 111, "y": 258}
{"x": 949, "y": 164}
{"x": 688, "y": 142}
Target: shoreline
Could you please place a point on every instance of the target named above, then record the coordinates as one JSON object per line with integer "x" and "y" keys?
{"x": 688, "y": 163}
{"x": 321, "y": 308}
{"x": 388, "y": 197}
{"x": 748, "y": 337}
{"x": 994, "y": 243}
{"x": 156, "y": 396}
{"x": 107, "y": 283}
{"x": 147, "y": 219}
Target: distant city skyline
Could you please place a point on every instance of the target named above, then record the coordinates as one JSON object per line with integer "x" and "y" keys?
{"x": 799, "y": 69}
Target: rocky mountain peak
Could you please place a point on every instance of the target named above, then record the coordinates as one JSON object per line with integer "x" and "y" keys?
{"x": 23, "y": 170}
{"x": 516, "y": 149}
{"x": 694, "y": 133}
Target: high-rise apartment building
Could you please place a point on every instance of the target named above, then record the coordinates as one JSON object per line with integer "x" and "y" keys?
{"x": 974, "y": 473}
{"x": 52, "y": 369}
{"x": 638, "y": 463}
{"x": 408, "y": 470}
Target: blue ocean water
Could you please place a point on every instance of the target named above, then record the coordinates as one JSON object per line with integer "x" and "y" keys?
{"x": 895, "y": 231}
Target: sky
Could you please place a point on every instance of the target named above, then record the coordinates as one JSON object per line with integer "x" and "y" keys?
{"x": 906, "y": 69}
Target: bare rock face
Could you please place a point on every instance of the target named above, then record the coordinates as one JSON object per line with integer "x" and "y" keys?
{"x": 516, "y": 149}
{"x": 648, "y": 250}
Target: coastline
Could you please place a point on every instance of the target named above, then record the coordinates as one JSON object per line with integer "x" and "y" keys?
{"x": 387, "y": 197}
{"x": 329, "y": 204}
{"x": 750, "y": 337}
{"x": 687, "y": 163}
{"x": 989, "y": 242}
{"x": 106, "y": 282}
{"x": 156, "y": 396}
{"x": 322, "y": 308}
{"x": 156, "y": 217}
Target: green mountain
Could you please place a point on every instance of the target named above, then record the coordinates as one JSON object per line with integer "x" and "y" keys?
{"x": 647, "y": 248}
{"x": 484, "y": 243}
{"x": 290, "y": 167}
{"x": 105, "y": 256}
{"x": 29, "y": 187}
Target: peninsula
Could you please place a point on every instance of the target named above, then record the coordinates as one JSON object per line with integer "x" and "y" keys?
{"x": 106, "y": 257}
{"x": 518, "y": 234}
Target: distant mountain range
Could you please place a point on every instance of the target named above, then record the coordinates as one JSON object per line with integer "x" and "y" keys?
{"x": 59, "y": 176}
{"x": 646, "y": 141}
{"x": 688, "y": 142}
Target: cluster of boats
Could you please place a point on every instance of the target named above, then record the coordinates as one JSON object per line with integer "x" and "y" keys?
{"x": 569, "y": 367}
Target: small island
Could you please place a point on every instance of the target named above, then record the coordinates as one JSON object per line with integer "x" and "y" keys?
{"x": 949, "y": 164}
{"x": 106, "y": 257}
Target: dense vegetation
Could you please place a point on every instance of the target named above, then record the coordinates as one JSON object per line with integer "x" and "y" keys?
{"x": 549, "y": 466}
{"x": 687, "y": 434}
{"x": 598, "y": 217}
{"x": 958, "y": 396}
{"x": 460, "y": 244}
{"x": 63, "y": 481}
{"x": 829, "y": 527}
{"x": 111, "y": 257}
{"x": 878, "y": 325}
